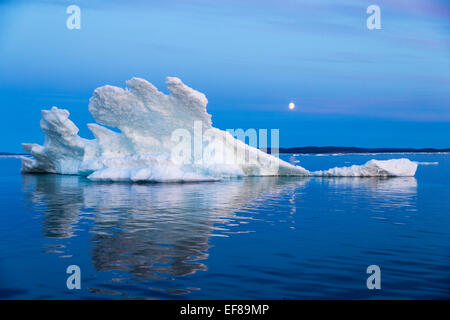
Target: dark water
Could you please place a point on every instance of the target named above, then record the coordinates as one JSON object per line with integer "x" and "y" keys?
{"x": 253, "y": 238}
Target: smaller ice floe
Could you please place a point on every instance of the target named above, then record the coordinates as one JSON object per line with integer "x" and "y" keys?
{"x": 373, "y": 168}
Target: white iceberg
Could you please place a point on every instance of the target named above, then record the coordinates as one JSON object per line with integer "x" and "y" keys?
{"x": 146, "y": 148}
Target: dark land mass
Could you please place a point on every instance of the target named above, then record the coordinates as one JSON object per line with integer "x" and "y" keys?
{"x": 331, "y": 149}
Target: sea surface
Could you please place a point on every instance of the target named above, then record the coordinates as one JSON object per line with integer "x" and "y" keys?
{"x": 250, "y": 238}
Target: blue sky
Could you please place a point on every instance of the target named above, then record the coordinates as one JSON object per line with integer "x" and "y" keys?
{"x": 351, "y": 86}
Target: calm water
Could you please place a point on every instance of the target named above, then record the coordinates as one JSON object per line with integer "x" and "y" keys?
{"x": 258, "y": 238}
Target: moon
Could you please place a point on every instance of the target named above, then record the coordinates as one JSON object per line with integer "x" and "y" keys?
{"x": 291, "y": 106}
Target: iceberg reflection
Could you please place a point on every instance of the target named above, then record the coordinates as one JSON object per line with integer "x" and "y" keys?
{"x": 380, "y": 192}
{"x": 164, "y": 231}
{"x": 150, "y": 230}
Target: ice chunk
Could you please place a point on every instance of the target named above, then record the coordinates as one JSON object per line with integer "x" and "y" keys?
{"x": 374, "y": 168}
{"x": 143, "y": 149}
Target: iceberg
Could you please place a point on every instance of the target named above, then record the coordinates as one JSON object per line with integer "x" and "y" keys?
{"x": 150, "y": 143}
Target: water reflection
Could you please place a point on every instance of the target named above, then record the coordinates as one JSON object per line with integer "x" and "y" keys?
{"x": 150, "y": 230}
{"x": 393, "y": 185}
{"x": 60, "y": 197}
{"x": 161, "y": 231}
{"x": 386, "y": 192}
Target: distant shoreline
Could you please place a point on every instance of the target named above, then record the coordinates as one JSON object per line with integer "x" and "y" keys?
{"x": 325, "y": 150}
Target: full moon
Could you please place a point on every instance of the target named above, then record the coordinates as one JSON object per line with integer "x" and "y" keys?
{"x": 291, "y": 106}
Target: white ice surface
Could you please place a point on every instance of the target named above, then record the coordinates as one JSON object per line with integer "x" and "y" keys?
{"x": 144, "y": 148}
{"x": 373, "y": 168}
